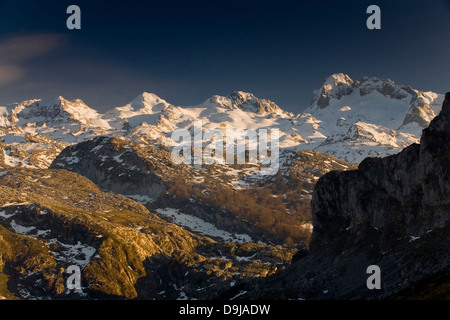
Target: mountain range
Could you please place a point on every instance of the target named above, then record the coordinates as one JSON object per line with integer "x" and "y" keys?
{"x": 347, "y": 119}
{"x": 101, "y": 191}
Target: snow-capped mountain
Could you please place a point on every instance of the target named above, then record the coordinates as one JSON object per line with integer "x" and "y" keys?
{"x": 145, "y": 108}
{"x": 34, "y": 132}
{"x": 380, "y": 102}
{"x": 370, "y": 117}
{"x": 347, "y": 119}
{"x": 56, "y": 118}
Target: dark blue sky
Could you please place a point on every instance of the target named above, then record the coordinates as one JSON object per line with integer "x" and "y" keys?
{"x": 186, "y": 51}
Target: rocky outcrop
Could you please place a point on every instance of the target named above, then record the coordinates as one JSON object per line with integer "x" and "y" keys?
{"x": 113, "y": 165}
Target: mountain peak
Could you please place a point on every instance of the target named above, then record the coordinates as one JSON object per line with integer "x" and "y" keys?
{"x": 242, "y": 96}
{"x": 146, "y": 102}
{"x": 337, "y": 79}
{"x": 148, "y": 97}
{"x": 58, "y": 111}
{"x": 335, "y": 86}
{"x": 248, "y": 102}
{"x": 217, "y": 100}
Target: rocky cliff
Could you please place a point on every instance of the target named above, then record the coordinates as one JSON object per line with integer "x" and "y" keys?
{"x": 404, "y": 195}
{"x": 393, "y": 212}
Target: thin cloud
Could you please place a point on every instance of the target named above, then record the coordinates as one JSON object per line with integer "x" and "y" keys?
{"x": 10, "y": 73}
{"x": 15, "y": 50}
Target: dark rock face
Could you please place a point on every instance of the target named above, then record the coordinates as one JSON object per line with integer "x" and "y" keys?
{"x": 406, "y": 194}
{"x": 112, "y": 165}
{"x": 435, "y": 154}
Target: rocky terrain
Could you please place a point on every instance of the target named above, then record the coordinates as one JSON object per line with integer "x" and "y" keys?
{"x": 51, "y": 219}
{"x": 146, "y": 173}
{"x": 393, "y": 212}
{"x": 101, "y": 191}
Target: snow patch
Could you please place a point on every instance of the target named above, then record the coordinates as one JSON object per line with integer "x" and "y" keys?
{"x": 8, "y": 204}
{"x": 72, "y": 160}
{"x": 117, "y": 158}
{"x": 142, "y": 199}
{"x": 242, "y": 292}
{"x": 95, "y": 149}
{"x": 201, "y": 226}
{"x": 21, "y": 229}
{"x": 78, "y": 254}
{"x": 6, "y": 216}
{"x": 28, "y": 231}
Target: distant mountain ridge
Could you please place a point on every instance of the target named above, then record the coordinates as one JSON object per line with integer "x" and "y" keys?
{"x": 347, "y": 119}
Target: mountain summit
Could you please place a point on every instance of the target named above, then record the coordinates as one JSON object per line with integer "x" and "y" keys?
{"x": 369, "y": 117}
{"x": 335, "y": 86}
{"x": 59, "y": 111}
{"x": 247, "y": 102}
{"x": 378, "y": 101}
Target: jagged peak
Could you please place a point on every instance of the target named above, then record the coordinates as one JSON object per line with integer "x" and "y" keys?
{"x": 242, "y": 95}
{"x": 236, "y": 97}
{"x": 218, "y": 100}
{"x": 338, "y": 85}
{"x": 337, "y": 79}
{"x": 247, "y": 102}
{"x": 59, "y": 102}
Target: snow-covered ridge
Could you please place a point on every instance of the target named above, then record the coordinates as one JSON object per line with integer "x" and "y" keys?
{"x": 348, "y": 119}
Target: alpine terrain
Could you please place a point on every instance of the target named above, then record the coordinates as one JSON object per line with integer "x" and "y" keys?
{"x": 352, "y": 188}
